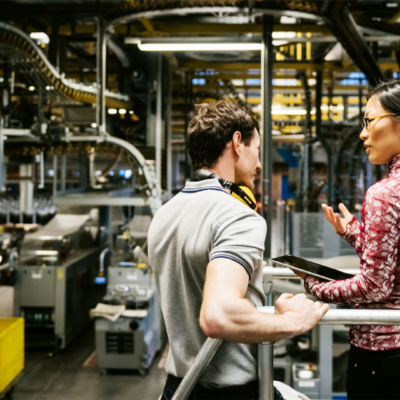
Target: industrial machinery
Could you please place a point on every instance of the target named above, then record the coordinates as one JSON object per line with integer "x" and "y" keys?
{"x": 55, "y": 286}
{"x": 131, "y": 341}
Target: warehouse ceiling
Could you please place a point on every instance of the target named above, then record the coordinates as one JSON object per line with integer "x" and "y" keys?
{"x": 353, "y": 43}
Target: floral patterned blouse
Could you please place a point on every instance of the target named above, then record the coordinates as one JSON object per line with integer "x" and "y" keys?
{"x": 376, "y": 240}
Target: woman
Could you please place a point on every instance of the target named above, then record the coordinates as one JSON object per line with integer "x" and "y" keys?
{"x": 376, "y": 241}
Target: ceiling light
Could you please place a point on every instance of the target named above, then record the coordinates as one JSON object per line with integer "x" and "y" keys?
{"x": 290, "y": 111}
{"x": 122, "y": 111}
{"x": 131, "y": 112}
{"x": 48, "y": 88}
{"x": 112, "y": 111}
{"x": 279, "y": 42}
{"x": 93, "y": 125}
{"x": 199, "y": 46}
{"x": 283, "y": 35}
{"x": 391, "y": 5}
{"x": 31, "y": 88}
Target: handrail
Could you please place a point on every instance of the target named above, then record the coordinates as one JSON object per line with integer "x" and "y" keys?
{"x": 332, "y": 317}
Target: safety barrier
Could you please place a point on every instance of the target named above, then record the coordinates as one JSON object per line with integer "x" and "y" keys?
{"x": 266, "y": 350}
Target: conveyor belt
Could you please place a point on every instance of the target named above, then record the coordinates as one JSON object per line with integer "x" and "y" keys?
{"x": 35, "y": 64}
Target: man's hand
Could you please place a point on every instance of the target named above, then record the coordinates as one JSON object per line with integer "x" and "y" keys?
{"x": 338, "y": 223}
{"x": 299, "y": 313}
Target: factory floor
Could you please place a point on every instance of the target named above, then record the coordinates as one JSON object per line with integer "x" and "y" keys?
{"x": 64, "y": 376}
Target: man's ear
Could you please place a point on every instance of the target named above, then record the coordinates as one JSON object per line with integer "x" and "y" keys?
{"x": 236, "y": 142}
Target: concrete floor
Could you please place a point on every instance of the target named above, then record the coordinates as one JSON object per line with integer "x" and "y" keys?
{"x": 63, "y": 377}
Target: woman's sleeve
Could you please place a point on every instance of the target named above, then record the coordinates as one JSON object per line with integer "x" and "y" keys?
{"x": 351, "y": 233}
{"x": 378, "y": 255}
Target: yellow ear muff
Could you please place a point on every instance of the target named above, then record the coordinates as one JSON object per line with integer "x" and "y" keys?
{"x": 248, "y": 192}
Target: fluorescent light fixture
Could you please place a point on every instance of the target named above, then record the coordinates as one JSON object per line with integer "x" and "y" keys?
{"x": 237, "y": 82}
{"x": 279, "y": 42}
{"x": 31, "y": 88}
{"x": 93, "y": 125}
{"x": 40, "y": 37}
{"x": 112, "y": 111}
{"x": 289, "y": 111}
{"x": 46, "y": 252}
{"x": 122, "y": 111}
{"x": 50, "y": 237}
{"x": 199, "y": 46}
{"x": 391, "y": 5}
{"x": 274, "y": 132}
{"x": 283, "y": 35}
{"x": 131, "y": 112}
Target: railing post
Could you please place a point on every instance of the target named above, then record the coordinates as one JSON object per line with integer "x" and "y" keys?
{"x": 266, "y": 371}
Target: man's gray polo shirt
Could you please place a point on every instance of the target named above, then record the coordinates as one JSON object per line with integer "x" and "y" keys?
{"x": 201, "y": 223}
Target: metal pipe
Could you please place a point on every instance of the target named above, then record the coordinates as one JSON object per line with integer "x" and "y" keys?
{"x": 101, "y": 75}
{"x": 353, "y": 317}
{"x": 54, "y": 176}
{"x": 63, "y": 172}
{"x": 102, "y": 258}
{"x": 199, "y": 365}
{"x": 320, "y": 136}
{"x": 159, "y": 118}
{"x": 267, "y": 58}
{"x": 13, "y": 263}
{"x": 169, "y": 132}
{"x": 41, "y": 166}
{"x": 2, "y": 164}
{"x": 266, "y": 371}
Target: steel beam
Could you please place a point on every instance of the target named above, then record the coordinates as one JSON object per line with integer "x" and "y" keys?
{"x": 169, "y": 131}
{"x": 101, "y": 76}
{"x": 159, "y": 118}
{"x": 266, "y": 93}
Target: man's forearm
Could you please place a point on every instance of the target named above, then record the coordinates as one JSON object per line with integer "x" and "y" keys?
{"x": 240, "y": 322}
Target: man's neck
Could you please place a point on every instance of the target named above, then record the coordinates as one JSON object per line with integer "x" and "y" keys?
{"x": 224, "y": 171}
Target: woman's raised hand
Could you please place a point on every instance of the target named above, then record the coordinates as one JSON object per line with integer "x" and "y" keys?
{"x": 338, "y": 223}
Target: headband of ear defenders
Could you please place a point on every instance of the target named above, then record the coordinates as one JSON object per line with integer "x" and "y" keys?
{"x": 201, "y": 175}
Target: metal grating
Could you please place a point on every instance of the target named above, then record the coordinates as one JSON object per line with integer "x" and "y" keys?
{"x": 311, "y": 232}
{"x": 120, "y": 343}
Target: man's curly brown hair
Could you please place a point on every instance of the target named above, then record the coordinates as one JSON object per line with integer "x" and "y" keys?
{"x": 212, "y": 127}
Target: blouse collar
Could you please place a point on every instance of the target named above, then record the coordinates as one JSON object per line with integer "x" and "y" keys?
{"x": 394, "y": 166}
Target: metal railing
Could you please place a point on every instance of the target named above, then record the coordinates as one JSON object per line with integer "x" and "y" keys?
{"x": 266, "y": 350}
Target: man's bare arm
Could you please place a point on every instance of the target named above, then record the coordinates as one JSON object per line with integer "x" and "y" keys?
{"x": 227, "y": 315}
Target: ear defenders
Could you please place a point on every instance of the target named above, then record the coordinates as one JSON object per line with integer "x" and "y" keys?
{"x": 241, "y": 193}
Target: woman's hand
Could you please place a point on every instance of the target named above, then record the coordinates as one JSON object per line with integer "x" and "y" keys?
{"x": 301, "y": 274}
{"x": 338, "y": 223}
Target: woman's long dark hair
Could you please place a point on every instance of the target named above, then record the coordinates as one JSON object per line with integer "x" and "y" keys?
{"x": 388, "y": 93}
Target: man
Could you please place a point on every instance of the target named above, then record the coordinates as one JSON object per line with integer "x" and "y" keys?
{"x": 206, "y": 249}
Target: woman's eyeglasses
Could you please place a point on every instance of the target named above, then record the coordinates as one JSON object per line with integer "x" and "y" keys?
{"x": 366, "y": 121}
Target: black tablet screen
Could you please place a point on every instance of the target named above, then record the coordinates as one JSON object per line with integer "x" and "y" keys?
{"x": 311, "y": 268}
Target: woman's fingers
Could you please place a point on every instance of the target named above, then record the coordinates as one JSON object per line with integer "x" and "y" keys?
{"x": 346, "y": 213}
{"x": 338, "y": 223}
{"x": 328, "y": 213}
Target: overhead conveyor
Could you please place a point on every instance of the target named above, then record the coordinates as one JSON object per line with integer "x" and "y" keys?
{"x": 34, "y": 64}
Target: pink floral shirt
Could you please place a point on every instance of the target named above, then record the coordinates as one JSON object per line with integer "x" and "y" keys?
{"x": 376, "y": 240}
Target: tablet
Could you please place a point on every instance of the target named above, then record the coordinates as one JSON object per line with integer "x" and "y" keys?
{"x": 311, "y": 268}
